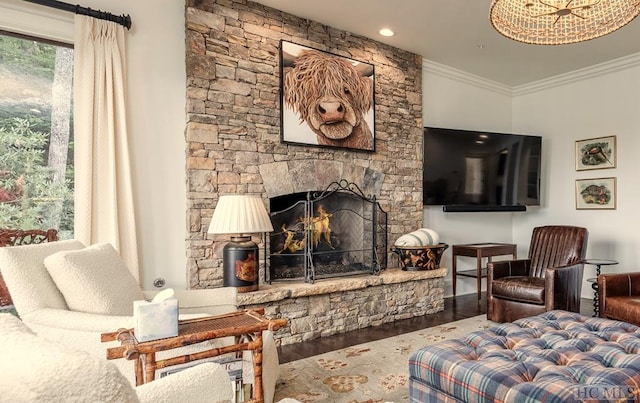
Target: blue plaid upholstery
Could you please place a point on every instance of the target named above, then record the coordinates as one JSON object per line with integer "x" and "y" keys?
{"x": 557, "y": 356}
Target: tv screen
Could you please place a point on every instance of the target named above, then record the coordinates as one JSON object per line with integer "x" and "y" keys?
{"x": 474, "y": 168}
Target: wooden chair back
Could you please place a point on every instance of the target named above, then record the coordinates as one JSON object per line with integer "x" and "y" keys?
{"x": 12, "y": 237}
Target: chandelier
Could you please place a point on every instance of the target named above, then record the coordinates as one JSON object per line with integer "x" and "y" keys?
{"x": 557, "y": 22}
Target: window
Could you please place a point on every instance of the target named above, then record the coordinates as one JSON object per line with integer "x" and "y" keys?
{"x": 36, "y": 134}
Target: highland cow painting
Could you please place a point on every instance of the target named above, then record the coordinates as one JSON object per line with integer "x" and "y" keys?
{"x": 326, "y": 100}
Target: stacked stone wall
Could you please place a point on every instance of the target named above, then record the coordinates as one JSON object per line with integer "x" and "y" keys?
{"x": 233, "y": 122}
{"x": 338, "y": 306}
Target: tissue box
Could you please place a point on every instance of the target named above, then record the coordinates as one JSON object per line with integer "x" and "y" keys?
{"x": 155, "y": 320}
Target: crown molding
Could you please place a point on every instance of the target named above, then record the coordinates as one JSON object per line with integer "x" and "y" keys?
{"x": 464, "y": 77}
{"x": 30, "y": 19}
{"x": 586, "y": 73}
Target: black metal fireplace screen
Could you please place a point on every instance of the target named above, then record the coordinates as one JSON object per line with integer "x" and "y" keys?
{"x": 330, "y": 233}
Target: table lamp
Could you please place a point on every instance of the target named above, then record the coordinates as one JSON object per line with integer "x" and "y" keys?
{"x": 240, "y": 215}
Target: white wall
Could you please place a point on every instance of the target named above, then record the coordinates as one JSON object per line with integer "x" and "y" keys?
{"x": 157, "y": 86}
{"x": 593, "y": 102}
{"x": 453, "y": 99}
{"x": 596, "y": 102}
{"x": 156, "y": 121}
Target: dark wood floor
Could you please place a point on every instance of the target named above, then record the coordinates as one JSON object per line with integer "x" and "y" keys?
{"x": 455, "y": 308}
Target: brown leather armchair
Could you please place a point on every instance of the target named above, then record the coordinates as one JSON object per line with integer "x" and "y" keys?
{"x": 619, "y": 296}
{"x": 551, "y": 278}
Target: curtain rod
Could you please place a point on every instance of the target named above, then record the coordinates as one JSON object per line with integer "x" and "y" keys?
{"x": 124, "y": 20}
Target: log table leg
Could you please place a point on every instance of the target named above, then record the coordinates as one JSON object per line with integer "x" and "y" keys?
{"x": 149, "y": 365}
{"x": 257, "y": 367}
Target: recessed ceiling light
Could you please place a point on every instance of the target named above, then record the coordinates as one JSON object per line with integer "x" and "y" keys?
{"x": 386, "y": 32}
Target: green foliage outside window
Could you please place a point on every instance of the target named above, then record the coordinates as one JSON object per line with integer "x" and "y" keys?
{"x": 28, "y": 198}
{"x": 30, "y": 57}
{"x": 36, "y": 136}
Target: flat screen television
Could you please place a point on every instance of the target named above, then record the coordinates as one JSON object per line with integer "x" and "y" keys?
{"x": 480, "y": 171}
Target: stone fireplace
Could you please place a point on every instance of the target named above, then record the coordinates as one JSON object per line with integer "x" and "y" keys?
{"x": 336, "y": 232}
{"x": 234, "y": 145}
{"x": 233, "y": 123}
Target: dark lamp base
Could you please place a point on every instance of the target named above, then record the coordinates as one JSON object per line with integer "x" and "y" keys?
{"x": 240, "y": 263}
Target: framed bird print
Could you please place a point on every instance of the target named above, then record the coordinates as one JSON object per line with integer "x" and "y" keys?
{"x": 596, "y": 194}
{"x": 597, "y": 153}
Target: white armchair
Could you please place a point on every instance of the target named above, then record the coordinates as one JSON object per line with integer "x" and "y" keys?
{"x": 36, "y": 369}
{"x": 42, "y": 304}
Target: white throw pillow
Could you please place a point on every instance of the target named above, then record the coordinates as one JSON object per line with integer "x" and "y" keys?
{"x": 31, "y": 286}
{"x": 94, "y": 280}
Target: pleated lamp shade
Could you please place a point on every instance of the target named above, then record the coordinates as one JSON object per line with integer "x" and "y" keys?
{"x": 240, "y": 214}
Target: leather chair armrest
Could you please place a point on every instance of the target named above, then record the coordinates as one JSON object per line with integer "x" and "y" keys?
{"x": 508, "y": 268}
{"x": 617, "y": 285}
{"x": 563, "y": 287}
{"x": 500, "y": 269}
{"x": 620, "y": 284}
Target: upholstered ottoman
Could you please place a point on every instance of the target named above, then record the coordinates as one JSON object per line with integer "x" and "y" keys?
{"x": 557, "y": 356}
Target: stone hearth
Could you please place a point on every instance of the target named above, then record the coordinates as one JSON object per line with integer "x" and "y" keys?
{"x": 335, "y": 306}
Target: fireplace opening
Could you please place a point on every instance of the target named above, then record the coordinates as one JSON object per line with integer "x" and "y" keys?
{"x": 330, "y": 233}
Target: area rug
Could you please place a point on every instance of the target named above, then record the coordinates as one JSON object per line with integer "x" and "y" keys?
{"x": 372, "y": 372}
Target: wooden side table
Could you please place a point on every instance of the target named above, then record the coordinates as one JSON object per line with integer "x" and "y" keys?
{"x": 245, "y": 325}
{"x": 479, "y": 251}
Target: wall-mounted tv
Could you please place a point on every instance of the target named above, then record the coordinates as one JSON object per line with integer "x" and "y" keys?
{"x": 481, "y": 171}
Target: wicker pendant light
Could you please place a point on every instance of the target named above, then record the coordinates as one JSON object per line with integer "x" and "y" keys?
{"x": 557, "y": 22}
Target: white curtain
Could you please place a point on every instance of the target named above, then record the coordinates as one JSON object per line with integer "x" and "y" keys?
{"x": 103, "y": 192}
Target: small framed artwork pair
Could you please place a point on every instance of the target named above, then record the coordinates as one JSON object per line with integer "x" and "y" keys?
{"x": 596, "y": 193}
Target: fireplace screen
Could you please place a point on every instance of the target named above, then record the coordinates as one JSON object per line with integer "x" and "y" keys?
{"x": 330, "y": 233}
